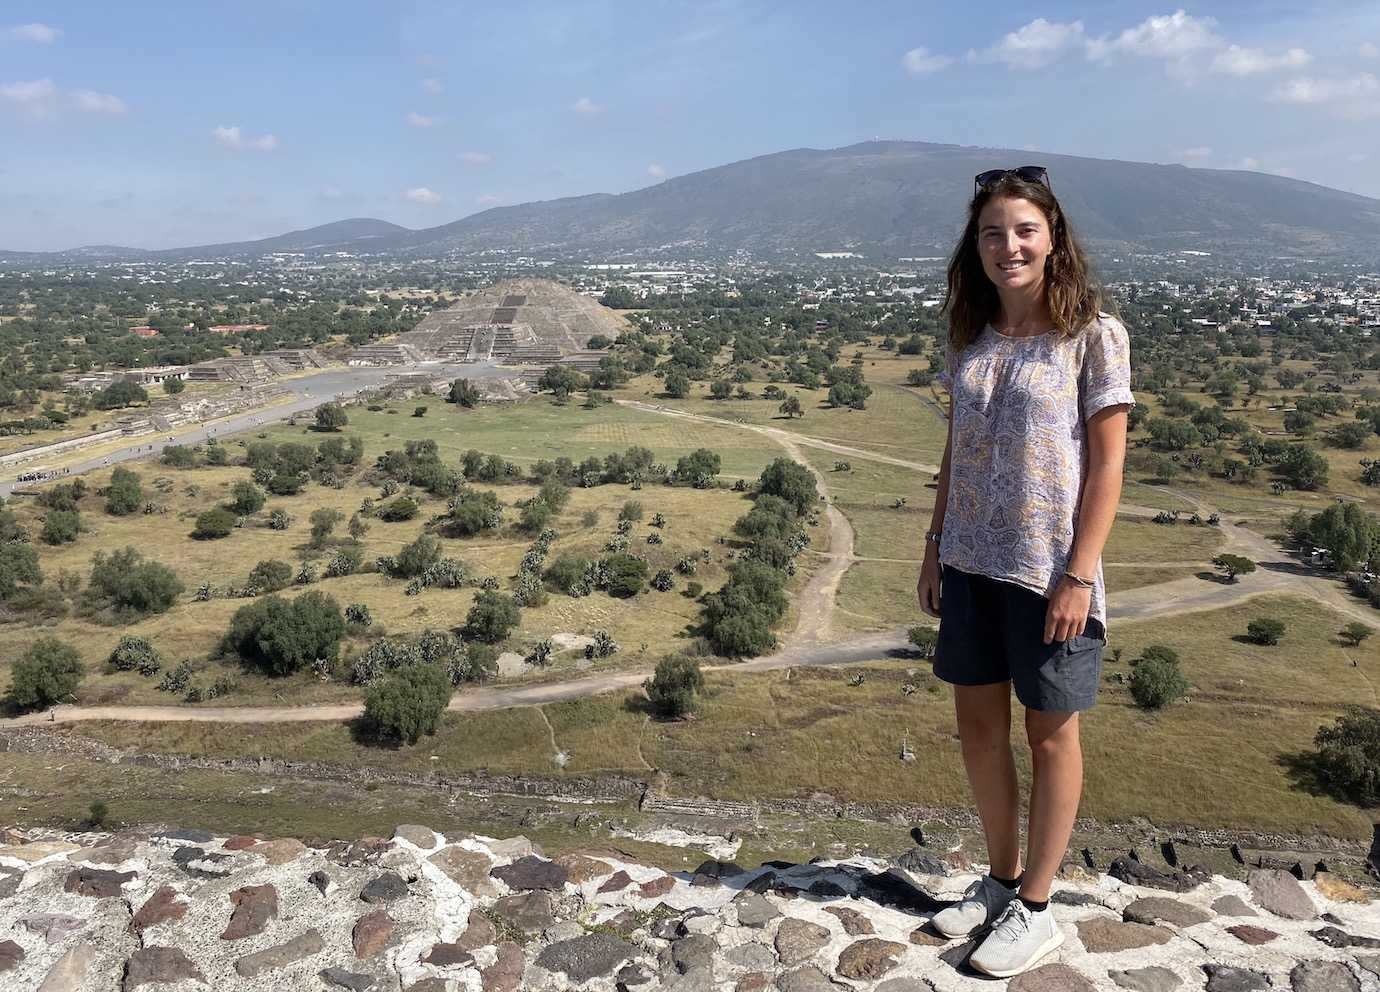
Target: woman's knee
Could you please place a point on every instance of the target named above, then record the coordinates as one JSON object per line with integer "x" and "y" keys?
{"x": 1050, "y": 733}
{"x": 984, "y": 714}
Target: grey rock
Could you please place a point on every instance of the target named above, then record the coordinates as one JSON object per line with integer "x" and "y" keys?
{"x": 1155, "y": 909}
{"x": 957, "y": 956}
{"x": 693, "y": 952}
{"x": 1323, "y": 976}
{"x": 9, "y": 881}
{"x": 827, "y": 887}
{"x": 1051, "y": 978}
{"x": 530, "y": 912}
{"x": 1232, "y": 906}
{"x": 513, "y": 847}
{"x": 1103, "y": 936}
{"x": 52, "y": 927}
{"x": 694, "y": 980}
{"x": 918, "y": 861}
{"x": 634, "y": 978}
{"x": 353, "y": 980}
{"x": 1370, "y": 962}
{"x": 1134, "y": 872}
{"x": 422, "y": 837}
{"x": 798, "y": 940}
{"x": 755, "y": 910}
{"x": 869, "y": 959}
{"x": 196, "y": 863}
{"x": 1152, "y": 979}
{"x": 385, "y": 888}
{"x": 700, "y": 922}
{"x": 763, "y": 883}
{"x": 321, "y": 882}
{"x": 447, "y": 955}
{"x": 159, "y": 964}
{"x": 751, "y": 956}
{"x": 189, "y": 834}
{"x": 68, "y": 971}
{"x": 270, "y": 959}
{"x": 591, "y": 956}
{"x": 1068, "y": 897}
{"x": 719, "y": 869}
{"x": 11, "y": 954}
{"x": 565, "y": 930}
{"x": 806, "y": 979}
{"x": 98, "y": 883}
{"x": 904, "y": 985}
{"x": 529, "y": 873}
{"x": 1333, "y": 937}
{"x": 1224, "y": 978}
{"x": 1281, "y": 894}
{"x": 855, "y": 924}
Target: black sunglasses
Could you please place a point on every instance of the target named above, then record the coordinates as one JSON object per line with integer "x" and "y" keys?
{"x": 1030, "y": 173}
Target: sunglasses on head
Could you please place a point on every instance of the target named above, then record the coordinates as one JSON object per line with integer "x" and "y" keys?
{"x": 1030, "y": 173}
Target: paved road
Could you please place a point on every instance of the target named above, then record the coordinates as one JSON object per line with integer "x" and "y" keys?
{"x": 308, "y": 392}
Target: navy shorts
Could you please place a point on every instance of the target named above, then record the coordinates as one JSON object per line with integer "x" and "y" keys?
{"x": 992, "y": 631}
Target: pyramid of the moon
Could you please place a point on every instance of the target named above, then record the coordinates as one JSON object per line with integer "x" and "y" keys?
{"x": 520, "y": 321}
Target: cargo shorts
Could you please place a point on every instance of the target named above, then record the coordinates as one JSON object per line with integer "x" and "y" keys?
{"x": 992, "y": 631}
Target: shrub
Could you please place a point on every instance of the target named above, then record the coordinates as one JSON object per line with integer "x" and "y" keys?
{"x": 358, "y": 614}
{"x": 212, "y": 524}
{"x": 124, "y": 495}
{"x": 246, "y": 498}
{"x": 48, "y": 672}
{"x": 663, "y": 581}
{"x": 135, "y": 653}
{"x": 1356, "y": 632}
{"x": 271, "y": 575}
{"x": 491, "y": 618}
{"x": 790, "y": 481}
{"x": 743, "y": 634}
{"x": 345, "y": 561}
{"x": 61, "y": 526}
{"x": 177, "y": 679}
{"x": 535, "y": 516}
{"x": 693, "y": 590}
{"x": 178, "y": 456}
{"x": 1156, "y": 680}
{"x": 402, "y": 508}
{"x": 286, "y": 483}
{"x": 417, "y": 557}
{"x": 18, "y": 565}
{"x": 1348, "y": 756}
{"x": 279, "y": 520}
{"x": 925, "y": 640}
{"x": 478, "y": 663}
{"x": 699, "y": 468}
{"x": 408, "y": 703}
{"x": 674, "y": 687}
{"x": 632, "y": 510}
{"x": 602, "y": 646}
{"x": 383, "y": 657}
{"x": 568, "y": 574}
{"x": 284, "y": 636}
{"x": 323, "y": 522}
{"x": 1264, "y": 630}
{"x": 473, "y": 512}
{"x": 1233, "y": 565}
{"x": 419, "y": 411}
{"x": 330, "y": 417}
{"x": 127, "y": 584}
{"x": 463, "y": 393}
{"x": 625, "y": 575}
{"x": 216, "y": 454}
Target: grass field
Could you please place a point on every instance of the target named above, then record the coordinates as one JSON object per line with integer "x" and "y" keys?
{"x": 788, "y": 735}
{"x": 652, "y": 624}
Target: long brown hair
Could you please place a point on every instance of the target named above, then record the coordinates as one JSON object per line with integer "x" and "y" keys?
{"x": 1073, "y": 297}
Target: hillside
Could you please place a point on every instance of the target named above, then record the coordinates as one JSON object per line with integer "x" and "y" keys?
{"x": 882, "y": 198}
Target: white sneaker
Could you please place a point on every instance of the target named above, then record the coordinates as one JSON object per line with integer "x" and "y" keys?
{"x": 1019, "y": 938}
{"x": 981, "y": 903}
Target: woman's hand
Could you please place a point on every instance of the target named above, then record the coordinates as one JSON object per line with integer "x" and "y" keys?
{"x": 1067, "y": 614}
{"x": 927, "y": 589}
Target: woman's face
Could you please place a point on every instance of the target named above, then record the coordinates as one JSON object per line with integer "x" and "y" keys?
{"x": 1014, "y": 242}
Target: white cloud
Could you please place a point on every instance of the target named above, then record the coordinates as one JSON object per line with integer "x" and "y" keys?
{"x": 1198, "y": 153}
{"x": 421, "y": 120}
{"x": 488, "y": 200}
{"x": 420, "y": 194}
{"x": 1357, "y": 157}
{"x": 1033, "y": 46}
{"x": 1237, "y": 61}
{"x": 34, "y": 98}
{"x": 921, "y": 60}
{"x": 433, "y": 86}
{"x": 1170, "y": 36}
{"x": 233, "y": 137}
{"x": 331, "y": 193}
{"x": 1284, "y": 171}
{"x": 1368, "y": 50}
{"x": 656, "y": 171}
{"x": 585, "y": 105}
{"x": 1249, "y": 163}
{"x": 1349, "y": 96}
{"x": 98, "y": 103}
{"x": 476, "y": 158}
{"x": 39, "y": 33}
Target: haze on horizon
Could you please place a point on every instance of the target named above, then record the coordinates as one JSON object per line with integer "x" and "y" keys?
{"x": 156, "y": 126}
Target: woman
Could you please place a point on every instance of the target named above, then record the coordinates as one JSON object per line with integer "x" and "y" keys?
{"x": 1039, "y": 382}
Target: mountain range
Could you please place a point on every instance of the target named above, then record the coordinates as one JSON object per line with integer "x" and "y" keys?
{"x": 882, "y": 199}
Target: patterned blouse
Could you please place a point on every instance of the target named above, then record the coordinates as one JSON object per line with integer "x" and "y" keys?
{"x": 1018, "y": 454}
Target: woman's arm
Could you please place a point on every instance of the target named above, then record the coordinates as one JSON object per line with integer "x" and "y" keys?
{"x": 927, "y": 587}
{"x": 1106, "y": 435}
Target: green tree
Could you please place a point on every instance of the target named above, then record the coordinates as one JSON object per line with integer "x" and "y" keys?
{"x": 1348, "y": 756}
{"x": 1346, "y": 532}
{"x": 47, "y": 673}
{"x": 402, "y": 508}
{"x": 417, "y": 557}
{"x": 791, "y": 481}
{"x": 214, "y": 523}
{"x": 246, "y": 498}
{"x": 323, "y": 522}
{"x": 1303, "y": 467}
{"x": 699, "y": 468}
{"x": 61, "y": 526}
{"x": 408, "y": 702}
{"x": 173, "y": 385}
{"x": 473, "y": 512}
{"x": 124, "y": 583}
{"x": 463, "y": 393}
{"x": 677, "y": 385}
{"x": 124, "y": 494}
{"x": 1157, "y": 680}
{"x": 135, "y": 654}
{"x": 626, "y": 575}
{"x": 284, "y": 636}
{"x": 1265, "y": 630}
{"x": 18, "y": 566}
{"x": 330, "y": 417}
{"x": 791, "y": 407}
{"x": 1356, "y": 632}
{"x": 119, "y": 394}
{"x": 675, "y": 686}
{"x": 1233, "y": 565}
{"x": 491, "y": 618}
{"x": 271, "y": 575}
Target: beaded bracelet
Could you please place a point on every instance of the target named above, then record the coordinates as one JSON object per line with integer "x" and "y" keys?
{"x": 1079, "y": 580}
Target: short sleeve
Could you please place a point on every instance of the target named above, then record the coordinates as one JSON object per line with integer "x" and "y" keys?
{"x": 1106, "y": 376}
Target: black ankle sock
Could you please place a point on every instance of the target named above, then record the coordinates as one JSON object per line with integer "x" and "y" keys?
{"x": 1010, "y": 883}
{"x": 1032, "y": 905}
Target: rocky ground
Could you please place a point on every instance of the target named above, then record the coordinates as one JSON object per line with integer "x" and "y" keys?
{"x": 183, "y": 910}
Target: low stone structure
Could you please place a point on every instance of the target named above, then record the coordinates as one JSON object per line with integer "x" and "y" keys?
{"x": 425, "y": 912}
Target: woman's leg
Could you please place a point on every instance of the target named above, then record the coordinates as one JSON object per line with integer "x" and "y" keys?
{"x": 1056, "y": 784}
{"x": 984, "y": 728}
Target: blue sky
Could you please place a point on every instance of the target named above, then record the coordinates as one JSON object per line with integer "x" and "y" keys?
{"x": 155, "y": 124}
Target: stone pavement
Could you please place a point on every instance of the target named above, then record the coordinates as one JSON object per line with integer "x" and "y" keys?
{"x": 421, "y": 912}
